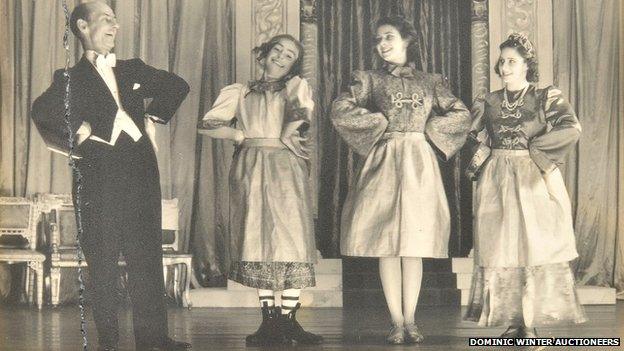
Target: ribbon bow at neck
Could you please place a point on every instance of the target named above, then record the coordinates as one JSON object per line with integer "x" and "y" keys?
{"x": 260, "y": 86}
{"x": 109, "y": 60}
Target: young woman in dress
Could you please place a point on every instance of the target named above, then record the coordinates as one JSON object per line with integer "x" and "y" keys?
{"x": 524, "y": 238}
{"x": 396, "y": 209}
{"x": 272, "y": 246}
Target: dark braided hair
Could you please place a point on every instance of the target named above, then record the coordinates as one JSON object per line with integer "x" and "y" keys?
{"x": 525, "y": 48}
{"x": 263, "y": 50}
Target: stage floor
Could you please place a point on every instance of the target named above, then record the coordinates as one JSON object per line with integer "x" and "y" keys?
{"x": 22, "y": 328}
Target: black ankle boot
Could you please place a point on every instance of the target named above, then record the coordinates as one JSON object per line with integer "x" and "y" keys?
{"x": 293, "y": 332}
{"x": 268, "y": 333}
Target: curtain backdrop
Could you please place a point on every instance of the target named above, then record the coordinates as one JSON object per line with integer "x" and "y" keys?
{"x": 586, "y": 39}
{"x": 188, "y": 37}
{"x": 195, "y": 40}
{"x": 346, "y": 44}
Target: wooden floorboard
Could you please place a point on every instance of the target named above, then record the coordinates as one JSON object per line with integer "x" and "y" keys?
{"x": 23, "y": 328}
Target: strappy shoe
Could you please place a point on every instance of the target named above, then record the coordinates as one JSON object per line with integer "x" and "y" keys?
{"x": 413, "y": 334}
{"x": 396, "y": 335}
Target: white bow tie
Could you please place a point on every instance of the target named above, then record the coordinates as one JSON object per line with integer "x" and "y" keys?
{"x": 109, "y": 60}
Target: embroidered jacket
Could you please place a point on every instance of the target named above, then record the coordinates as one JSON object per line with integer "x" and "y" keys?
{"x": 400, "y": 99}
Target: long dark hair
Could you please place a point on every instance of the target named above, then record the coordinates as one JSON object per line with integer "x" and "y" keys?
{"x": 407, "y": 31}
{"x": 263, "y": 50}
{"x": 525, "y": 48}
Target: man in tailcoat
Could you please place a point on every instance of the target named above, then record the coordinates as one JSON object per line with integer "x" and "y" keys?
{"x": 119, "y": 196}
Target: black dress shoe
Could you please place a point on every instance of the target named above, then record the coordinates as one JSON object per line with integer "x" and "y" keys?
{"x": 528, "y": 333}
{"x": 168, "y": 345}
{"x": 512, "y": 332}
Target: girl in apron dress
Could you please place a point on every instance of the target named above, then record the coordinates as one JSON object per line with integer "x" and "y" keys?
{"x": 272, "y": 246}
{"x": 524, "y": 238}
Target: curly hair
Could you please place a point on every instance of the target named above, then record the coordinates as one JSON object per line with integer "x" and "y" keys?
{"x": 407, "y": 31}
{"x": 525, "y": 48}
{"x": 263, "y": 50}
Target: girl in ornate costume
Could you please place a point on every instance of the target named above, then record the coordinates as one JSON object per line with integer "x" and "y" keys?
{"x": 272, "y": 245}
{"x": 524, "y": 238}
{"x": 396, "y": 209}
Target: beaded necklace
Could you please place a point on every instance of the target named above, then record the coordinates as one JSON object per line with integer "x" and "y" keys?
{"x": 511, "y": 109}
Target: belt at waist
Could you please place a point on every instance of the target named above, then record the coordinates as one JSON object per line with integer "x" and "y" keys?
{"x": 507, "y": 152}
{"x": 405, "y": 135}
{"x": 263, "y": 142}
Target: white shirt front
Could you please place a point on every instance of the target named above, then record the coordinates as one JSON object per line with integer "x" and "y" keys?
{"x": 123, "y": 122}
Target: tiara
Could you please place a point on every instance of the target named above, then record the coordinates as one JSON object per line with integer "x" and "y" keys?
{"x": 522, "y": 40}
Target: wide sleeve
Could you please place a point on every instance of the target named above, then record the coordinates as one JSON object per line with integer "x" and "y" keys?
{"x": 166, "y": 90}
{"x": 224, "y": 108}
{"x": 478, "y": 140}
{"x": 298, "y": 115}
{"x": 48, "y": 114}
{"x": 562, "y": 132}
{"x": 448, "y": 128}
{"x": 359, "y": 127}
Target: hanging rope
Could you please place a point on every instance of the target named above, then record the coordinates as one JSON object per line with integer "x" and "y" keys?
{"x": 77, "y": 177}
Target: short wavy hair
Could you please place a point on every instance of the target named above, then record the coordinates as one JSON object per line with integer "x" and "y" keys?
{"x": 263, "y": 50}
{"x": 83, "y": 12}
{"x": 407, "y": 31}
{"x": 525, "y": 48}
